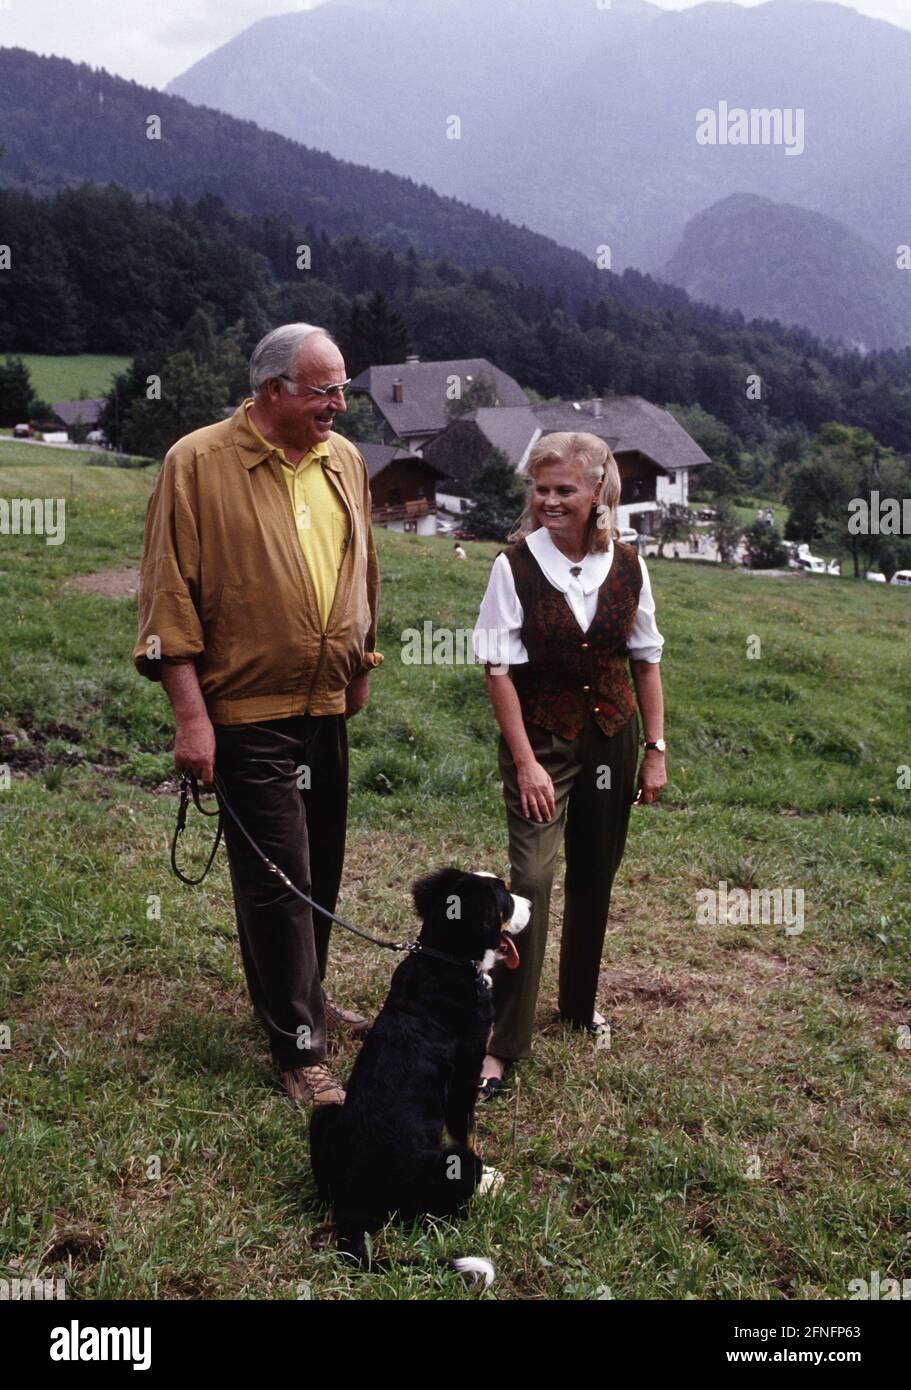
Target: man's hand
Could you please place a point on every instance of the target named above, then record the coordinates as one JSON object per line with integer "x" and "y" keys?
{"x": 357, "y": 694}
{"x": 652, "y": 776}
{"x": 194, "y": 749}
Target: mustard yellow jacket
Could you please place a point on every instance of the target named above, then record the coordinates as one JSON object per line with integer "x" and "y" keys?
{"x": 224, "y": 584}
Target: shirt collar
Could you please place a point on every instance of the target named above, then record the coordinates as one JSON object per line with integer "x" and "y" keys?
{"x": 253, "y": 448}
{"x": 594, "y": 567}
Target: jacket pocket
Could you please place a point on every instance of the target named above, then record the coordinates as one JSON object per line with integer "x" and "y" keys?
{"x": 252, "y": 650}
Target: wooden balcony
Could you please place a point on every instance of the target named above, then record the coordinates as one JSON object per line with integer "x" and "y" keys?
{"x": 405, "y": 511}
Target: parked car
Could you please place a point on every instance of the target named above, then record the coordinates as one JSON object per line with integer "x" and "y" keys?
{"x": 901, "y": 577}
{"x": 875, "y": 576}
{"x": 22, "y": 431}
{"x": 629, "y": 536}
{"x": 98, "y": 438}
{"x": 811, "y": 564}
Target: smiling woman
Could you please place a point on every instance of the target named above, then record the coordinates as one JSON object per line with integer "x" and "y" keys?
{"x": 566, "y": 606}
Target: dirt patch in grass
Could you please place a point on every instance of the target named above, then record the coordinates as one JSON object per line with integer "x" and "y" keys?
{"x": 649, "y": 991}
{"x": 126, "y": 1013}
{"x": 881, "y": 999}
{"x": 24, "y": 748}
{"x": 115, "y": 583}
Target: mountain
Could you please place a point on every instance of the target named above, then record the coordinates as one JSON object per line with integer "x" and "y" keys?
{"x": 464, "y": 283}
{"x": 63, "y": 123}
{"x": 581, "y": 122}
{"x": 783, "y": 262}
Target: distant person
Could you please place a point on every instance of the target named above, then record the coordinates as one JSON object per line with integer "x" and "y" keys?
{"x": 259, "y": 586}
{"x": 567, "y": 605}
{"x": 770, "y": 517}
{"x": 459, "y": 552}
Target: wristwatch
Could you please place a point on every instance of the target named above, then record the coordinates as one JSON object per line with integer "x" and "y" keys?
{"x": 659, "y": 745}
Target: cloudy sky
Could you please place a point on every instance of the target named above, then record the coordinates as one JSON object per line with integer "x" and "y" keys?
{"x": 155, "y": 42}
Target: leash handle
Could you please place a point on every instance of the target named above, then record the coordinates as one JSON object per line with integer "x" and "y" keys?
{"x": 188, "y": 788}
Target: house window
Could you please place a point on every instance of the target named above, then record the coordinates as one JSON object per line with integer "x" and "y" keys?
{"x": 672, "y": 478}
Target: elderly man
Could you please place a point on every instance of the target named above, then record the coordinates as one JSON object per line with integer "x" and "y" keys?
{"x": 258, "y": 613}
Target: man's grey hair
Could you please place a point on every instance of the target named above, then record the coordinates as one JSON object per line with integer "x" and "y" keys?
{"x": 276, "y": 354}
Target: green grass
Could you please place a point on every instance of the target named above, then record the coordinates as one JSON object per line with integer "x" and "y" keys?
{"x": 747, "y": 514}
{"x": 73, "y": 378}
{"x": 627, "y": 1169}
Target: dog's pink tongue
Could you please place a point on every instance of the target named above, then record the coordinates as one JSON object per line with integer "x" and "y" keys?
{"x": 511, "y": 957}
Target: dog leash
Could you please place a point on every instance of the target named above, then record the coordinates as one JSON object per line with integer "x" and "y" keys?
{"x": 189, "y": 788}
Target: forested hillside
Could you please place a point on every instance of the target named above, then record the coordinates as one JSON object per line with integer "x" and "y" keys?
{"x": 97, "y": 270}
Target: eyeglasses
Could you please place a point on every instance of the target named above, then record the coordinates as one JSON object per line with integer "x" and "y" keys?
{"x": 318, "y": 390}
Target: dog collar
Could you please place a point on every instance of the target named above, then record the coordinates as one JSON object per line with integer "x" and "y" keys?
{"x": 418, "y": 948}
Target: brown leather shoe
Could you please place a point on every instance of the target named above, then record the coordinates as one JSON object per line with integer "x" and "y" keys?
{"x": 346, "y": 1020}
{"x": 313, "y": 1085}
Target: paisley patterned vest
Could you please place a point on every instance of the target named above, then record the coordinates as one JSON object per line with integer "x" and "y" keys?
{"x": 571, "y": 672}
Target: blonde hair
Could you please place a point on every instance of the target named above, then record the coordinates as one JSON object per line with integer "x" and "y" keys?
{"x": 597, "y": 464}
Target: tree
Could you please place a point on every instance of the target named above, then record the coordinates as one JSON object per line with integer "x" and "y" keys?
{"x": 844, "y": 463}
{"x": 499, "y": 494}
{"x": 764, "y": 546}
{"x": 482, "y": 392}
{"x": 718, "y": 480}
{"x": 359, "y": 422}
{"x": 374, "y": 335}
{"x": 726, "y": 531}
{"x": 672, "y": 523}
{"x": 16, "y": 394}
{"x": 191, "y": 396}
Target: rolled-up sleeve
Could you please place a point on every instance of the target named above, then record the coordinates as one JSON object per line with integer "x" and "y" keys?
{"x": 497, "y": 637}
{"x": 645, "y": 641}
{"x": 169, "y": 624}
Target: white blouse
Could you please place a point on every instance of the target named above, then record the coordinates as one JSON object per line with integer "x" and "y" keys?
{"x": 496, "y": 634}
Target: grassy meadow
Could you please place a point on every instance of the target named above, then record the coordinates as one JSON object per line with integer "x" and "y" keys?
{"x": 78, "y": 377}
{"x": 745, "y": 1135}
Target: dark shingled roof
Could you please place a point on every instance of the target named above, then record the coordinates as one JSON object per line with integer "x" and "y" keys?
{"x": 379, "y": 456}
{"x": 628, "y": 423}
{"x": 71, "y": 412}
{"x": 424, "y": 407}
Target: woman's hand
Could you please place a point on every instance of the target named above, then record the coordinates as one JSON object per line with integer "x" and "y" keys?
{"x": 652, "y": 777}
{"x": 536, "y": 790}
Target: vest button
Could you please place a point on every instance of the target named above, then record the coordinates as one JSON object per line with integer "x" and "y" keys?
{"x": 585, "y": 646}
{"x": 586, "y": 688}
{"x": 596, "y": 710}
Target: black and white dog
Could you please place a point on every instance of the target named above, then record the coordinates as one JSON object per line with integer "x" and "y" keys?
{"x": 383, "y": 1151}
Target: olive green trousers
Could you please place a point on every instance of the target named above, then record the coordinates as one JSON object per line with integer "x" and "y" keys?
{"x": 594, "y": 779}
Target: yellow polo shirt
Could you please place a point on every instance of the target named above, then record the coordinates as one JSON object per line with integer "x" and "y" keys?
{"x": 320, "y": 518}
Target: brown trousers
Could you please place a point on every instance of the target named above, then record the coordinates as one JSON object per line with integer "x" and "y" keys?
{"x": 594, "y": 779}
{"x": 284, "y": 944}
